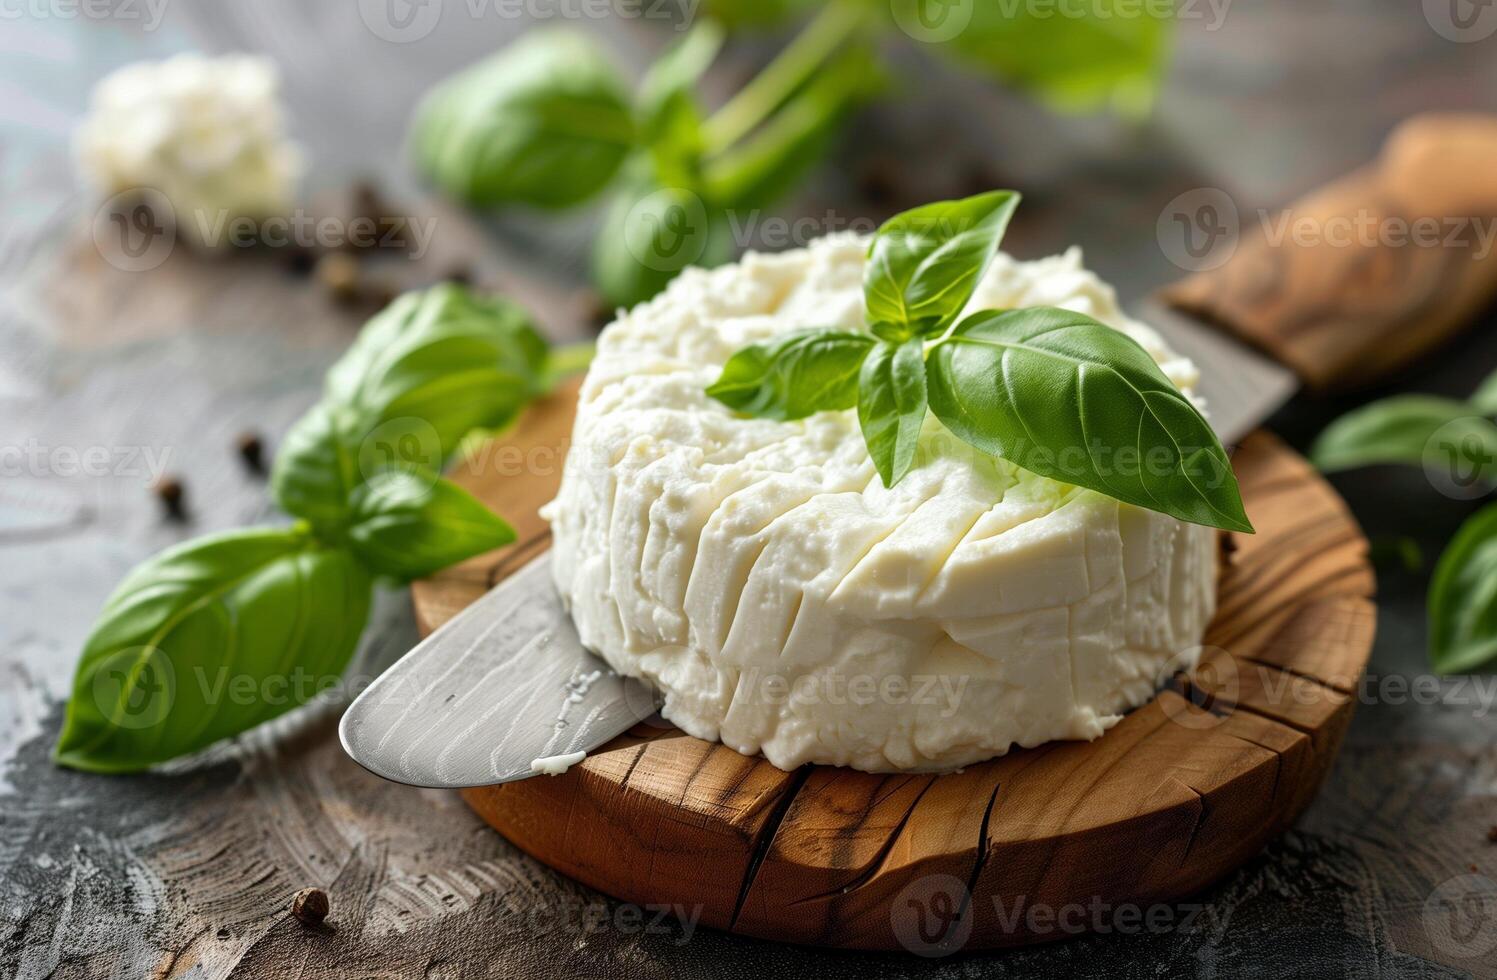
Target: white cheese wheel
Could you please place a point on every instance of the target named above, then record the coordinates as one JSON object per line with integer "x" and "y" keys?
{"x": 786, "y": 602}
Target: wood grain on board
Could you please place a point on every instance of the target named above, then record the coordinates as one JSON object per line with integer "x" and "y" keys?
{"x": 1361, "y": 276}
{"x": 1178, "y": 794}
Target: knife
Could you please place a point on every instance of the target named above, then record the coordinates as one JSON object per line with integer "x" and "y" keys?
{"x": 506, "y": 683}
{"x": 502, "y": 685}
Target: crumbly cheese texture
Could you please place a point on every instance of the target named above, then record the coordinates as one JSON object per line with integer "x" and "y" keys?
{"x": 208, "y": 134}
{"x": 786, "y": 602}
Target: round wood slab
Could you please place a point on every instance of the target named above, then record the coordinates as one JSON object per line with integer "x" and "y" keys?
{"x": 1037, "y": 845}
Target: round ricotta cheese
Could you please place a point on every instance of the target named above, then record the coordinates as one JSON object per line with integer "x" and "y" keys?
{"x": 786, "y": 602}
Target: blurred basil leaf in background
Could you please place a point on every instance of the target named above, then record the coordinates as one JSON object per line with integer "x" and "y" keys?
{"x": 1463, "y": 597}
{"x": 767, "y": 165}
{"x": 758, "y": 14}
{"x": 651, "y": 232}
{"x": 1484, "y": 398}
{"x": 1107, "y": 54}
{"x": 1415, "y": 430}
{"x": 544, "y": 122}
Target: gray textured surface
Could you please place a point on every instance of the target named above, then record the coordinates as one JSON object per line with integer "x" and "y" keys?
{"x": 188, "y": 874}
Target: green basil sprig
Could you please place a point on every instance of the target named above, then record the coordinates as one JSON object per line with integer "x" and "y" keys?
{"x": 427, "y": 370}
{"x": 220, "y": 634}
{"x": 1053, "y": 391}
{"x": 1455, "y": 442}
{"x": 546, "y": 123}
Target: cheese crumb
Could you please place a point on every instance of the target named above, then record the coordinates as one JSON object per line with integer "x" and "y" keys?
{"x": 555, "y": 765}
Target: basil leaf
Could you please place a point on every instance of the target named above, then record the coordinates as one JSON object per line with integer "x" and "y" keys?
{"x": 795, "y": 376}
{"x": 544, "y": 122}
{"x": 924, "y": 264}
{"x": 1463, "y": 597}
{"x": 411, "y": 522}
{"x": 316, "y": 468}
{"x": 430, "y": 368}
{"x": 1105, "y": 56}
{"x": 1484, "y": 399}
{"x": 891, "y": 406}
{"x": 1068, "y": 397}
{"x": 208, "y": 639}
{"x": 650, "y": 233}
{"x": 1419, "y": 430}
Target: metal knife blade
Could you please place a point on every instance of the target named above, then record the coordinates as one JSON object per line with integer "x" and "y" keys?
{"x": 504, "y": 682}
{"x": 1240, "y": 385}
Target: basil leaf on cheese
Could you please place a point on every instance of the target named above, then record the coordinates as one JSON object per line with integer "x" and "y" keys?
{"x": 410, "y": 522}
{"x": 891, "y": 406}
{"x": 1068, "y": 397}
{"x": 796, "y": 376}
{"x": 208, "y": 639}
{"x": 544, "y": 122}
{"x": 1417, "y": 430}
{"x": 1463, "y": 598}
{"x": 924, "y": 264}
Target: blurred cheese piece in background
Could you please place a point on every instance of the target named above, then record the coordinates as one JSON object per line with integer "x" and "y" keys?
{"x": 207, "y": 135}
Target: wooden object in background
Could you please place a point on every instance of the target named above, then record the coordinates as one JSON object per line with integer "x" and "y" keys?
{"x": 1181, "y": 792}
{"x": 1360, "y": 277}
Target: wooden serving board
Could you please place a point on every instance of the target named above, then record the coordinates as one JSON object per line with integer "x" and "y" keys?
{"x": 1033, "y": 846}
